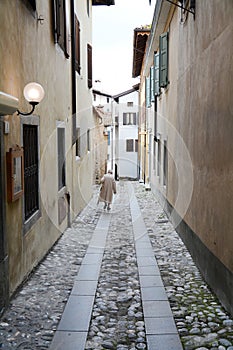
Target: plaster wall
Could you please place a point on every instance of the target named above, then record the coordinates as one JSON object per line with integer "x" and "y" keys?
{"x": 204, "y": 122}
{"x": 28, "y": 53}
{"x": 195, "y": 117}
{"x": 83, "y": 166}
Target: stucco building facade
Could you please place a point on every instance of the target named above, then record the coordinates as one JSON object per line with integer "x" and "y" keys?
{"x": 186, "y": 127}
{"x": 49, "y": 42}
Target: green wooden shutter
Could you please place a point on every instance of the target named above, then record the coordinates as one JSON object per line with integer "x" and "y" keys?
{"x": 89, "y": 66}
{"x": 156, "y": 74}
{"x": 148, "y": 101}
{"x": 152, "y": 85}
{"x": 163, "y": 60}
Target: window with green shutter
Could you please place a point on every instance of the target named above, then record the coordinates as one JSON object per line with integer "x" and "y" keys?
{"x": 152, "y": 85}
{"x": 156, "y": 74}
{"x": 163, "y": 60}
{"x": 148, "y": 100}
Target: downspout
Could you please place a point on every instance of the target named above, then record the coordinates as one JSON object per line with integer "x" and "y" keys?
{"x": 74, "y": 107}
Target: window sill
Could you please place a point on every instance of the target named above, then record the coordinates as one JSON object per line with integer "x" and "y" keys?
{"x": 31, "y": 221}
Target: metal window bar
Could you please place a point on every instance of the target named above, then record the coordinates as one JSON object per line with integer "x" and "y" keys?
{"x": 31, "y": 170}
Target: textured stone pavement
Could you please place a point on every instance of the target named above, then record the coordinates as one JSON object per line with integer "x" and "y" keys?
{"x": 121, "y": 298}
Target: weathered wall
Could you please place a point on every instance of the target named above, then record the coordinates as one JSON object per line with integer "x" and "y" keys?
{"x": 195, "y": 116}
{"x": 28, "y": 53}
{"x": 204, "y": 121}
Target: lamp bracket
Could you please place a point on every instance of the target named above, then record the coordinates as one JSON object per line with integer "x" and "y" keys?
{"x": 183, "y": 8}
{"x": 32, "y": 110}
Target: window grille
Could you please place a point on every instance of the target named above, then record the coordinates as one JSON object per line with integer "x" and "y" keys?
{"x": 31, "y": 170}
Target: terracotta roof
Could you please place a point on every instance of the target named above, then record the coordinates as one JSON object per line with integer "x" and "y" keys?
{"x": 139, "y": 46}
{"x": 124, "y": 93}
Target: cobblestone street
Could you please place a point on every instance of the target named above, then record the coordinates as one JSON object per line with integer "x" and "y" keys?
{"x": 122, "y": 298}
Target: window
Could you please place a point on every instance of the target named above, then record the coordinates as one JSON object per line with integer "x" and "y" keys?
{"x": 136, "y": 145}
{"x": 163, "y": 60}
{"x": 78, "y": 143}
{"x": 77, "y": 46}
{"x": 88, "y": 141}
{"x": 148, "y": 91}
{"x": 88, "y": 8}
{"x": 129, "y": 145}
{"x": 61, "y": 157}
{"x": 129, "y": 119}
{"x": 31, "y": 170}
{"x": 89, "y": 66}
{"x": 62, "y": 26}
{"x": 156, "y": 75}
{"x": 152, "y": 84}
{"x": 129, "y": 104}
{"x": 165, "y": 165}
{"x": 159, "y": 158}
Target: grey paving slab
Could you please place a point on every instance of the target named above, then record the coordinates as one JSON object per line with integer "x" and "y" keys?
{"x": 164, "y": 342}
{"x": 160, "y": 325}
{"x": 77, "y": 313}
{"x": 148, "y": 271}
{"x": 156, "y": 308}
{"x": 88, "y": 273}
{"x": 146, "y": 261}
{"x": 84, "y": 288}
{"x": 144, "y": 252}
{"x": 94, "y": 250}
{"x": 153, "y": 293}
{"x": 90, "y": 259}
{"x": 151, "y": 281}
{"x": 68, "y": 340}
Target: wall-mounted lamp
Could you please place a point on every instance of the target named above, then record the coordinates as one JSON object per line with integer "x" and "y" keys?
{"x": 34, "y": 94}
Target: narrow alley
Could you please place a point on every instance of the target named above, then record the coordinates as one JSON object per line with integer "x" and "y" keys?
{"x": 121, "y": 280}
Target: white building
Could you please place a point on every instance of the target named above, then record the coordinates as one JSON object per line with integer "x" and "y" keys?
{"x": 125, "y": 112}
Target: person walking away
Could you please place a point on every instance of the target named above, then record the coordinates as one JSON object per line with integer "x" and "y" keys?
{"x": 107, "y": 189}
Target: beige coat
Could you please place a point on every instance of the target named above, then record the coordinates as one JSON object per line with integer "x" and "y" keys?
{"x": 107, "y": 189}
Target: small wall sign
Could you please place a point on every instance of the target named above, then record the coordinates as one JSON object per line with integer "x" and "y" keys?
{"x": 15, "y": 175}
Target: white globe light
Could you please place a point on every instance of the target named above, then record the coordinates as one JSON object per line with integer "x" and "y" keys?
{"x": 33, "y": 93}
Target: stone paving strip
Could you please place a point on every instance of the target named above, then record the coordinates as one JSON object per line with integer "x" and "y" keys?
{"x": 117, "y": 318}
{"x": 36, "y": 308}
{"x": 200, "y": 319}
{"x": 161, "y": 331}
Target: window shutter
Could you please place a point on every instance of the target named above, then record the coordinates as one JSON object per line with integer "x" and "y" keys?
{"x": 148, "y": 101}
{"x": 56, "y": 20}
{"x": 89, "y": 65}
{"x": 163, "y": 60}
{"x": 152, "y": 84}
{"x": 77, "y": 46}
{"x": 134, "y": 119}
{"x": 61, "y": 24}
{"x": 156, "y": 74}
{"x": 67, "y": 30}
